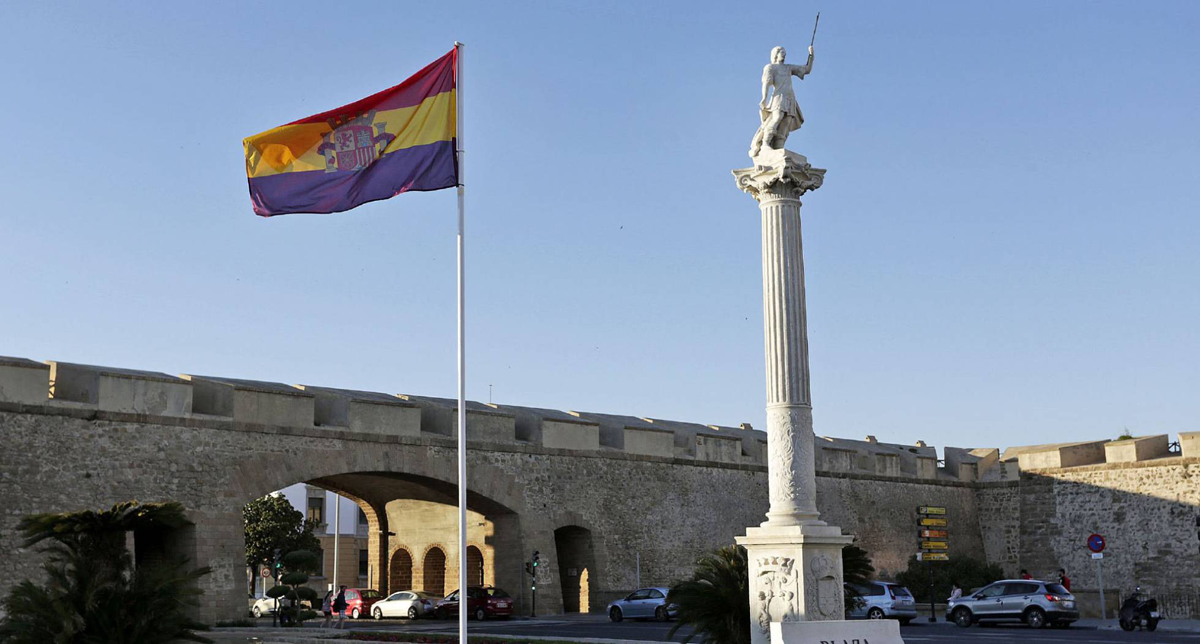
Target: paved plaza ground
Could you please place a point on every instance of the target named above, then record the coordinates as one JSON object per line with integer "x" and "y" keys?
{"x": 597, "y": 628}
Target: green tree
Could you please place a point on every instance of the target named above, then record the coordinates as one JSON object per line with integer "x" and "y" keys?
{"x": 968, "y": 573}
{"x": 297, "y": 564}
{"x": 272, "y": 524}
{"x": 856, "y": 569}
{"x": 94, "y": 593}
{"x": 715, "y": 602}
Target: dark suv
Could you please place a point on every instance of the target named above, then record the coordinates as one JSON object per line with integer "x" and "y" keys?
{"x": 482, "y": 603}
{"x": 1037, "y": 603}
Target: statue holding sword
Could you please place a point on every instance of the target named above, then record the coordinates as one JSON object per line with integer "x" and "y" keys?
{"x": 780, "y": 113}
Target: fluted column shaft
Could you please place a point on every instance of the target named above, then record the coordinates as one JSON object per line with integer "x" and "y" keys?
{"x": 792, "y": 479}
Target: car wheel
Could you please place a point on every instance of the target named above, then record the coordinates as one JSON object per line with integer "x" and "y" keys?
{"x": 480, "y": 614}
{"x": 1036, "y": 618}
{"x": 1151, "y": 624}
{"x": 962, "y": 618}
{"x": 377, "y": 613}
{"x": 1126, "y": 625}
{"x": 615, "y": 614}
{"x": 257, "y": 611}
{"x": 875, "y": 613}
{"x": 660, "y": 613}
{"x": 412, "y": 612}
{"x": 354, "y": 614}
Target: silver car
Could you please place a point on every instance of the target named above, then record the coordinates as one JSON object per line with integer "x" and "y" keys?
{"x": 883, "y": 600}
{"x": 1037, "y": 603}
{"x": 642, "y": 603}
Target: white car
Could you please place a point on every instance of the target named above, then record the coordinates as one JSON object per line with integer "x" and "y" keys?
{"x": 263, "y": 606}
{"x": 406, "y": 603}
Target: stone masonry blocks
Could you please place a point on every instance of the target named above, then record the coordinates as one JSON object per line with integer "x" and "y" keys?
{"x": 121, "y": 390}
{"x": 24, "y": 381}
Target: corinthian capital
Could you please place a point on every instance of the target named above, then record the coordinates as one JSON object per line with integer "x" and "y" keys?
{"x": 779, "y": 174}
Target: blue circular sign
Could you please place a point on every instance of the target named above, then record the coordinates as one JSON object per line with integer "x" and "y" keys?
{"x": 1096, "y": 543}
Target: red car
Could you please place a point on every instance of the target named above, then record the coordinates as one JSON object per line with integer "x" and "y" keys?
{"x": 358, "y": 601}
{"x": 482, "y": 603}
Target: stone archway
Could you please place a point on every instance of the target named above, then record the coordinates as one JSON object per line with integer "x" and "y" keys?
{"x": 400, "y": 571}
{"x": 434, "y": 571}
{"x": 575, "y": 551}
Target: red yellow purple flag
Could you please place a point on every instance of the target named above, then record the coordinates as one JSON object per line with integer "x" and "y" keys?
{"x": 398, "y": 140}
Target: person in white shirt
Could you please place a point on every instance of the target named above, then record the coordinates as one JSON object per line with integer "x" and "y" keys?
{"x": 955, "y": 592}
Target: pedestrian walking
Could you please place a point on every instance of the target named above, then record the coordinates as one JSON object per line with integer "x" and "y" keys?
{"x": 955, "y": 591}
{"x": 339, "y": 607}
{"x": 1063, "y": 579}
{"x": 327, "y": 609}
{"x": 1025, "y": 574}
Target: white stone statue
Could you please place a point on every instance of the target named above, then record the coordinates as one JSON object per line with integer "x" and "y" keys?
{"x": 780, "y": 113}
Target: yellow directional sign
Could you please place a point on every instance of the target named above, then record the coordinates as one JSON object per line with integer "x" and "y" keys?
{"x": 934, "y": 534}
{"x": 935, "y": 545}
{"x": 933, "y": 556}
{"x": 933, "y": 521}
{"x": 930, "y": 509}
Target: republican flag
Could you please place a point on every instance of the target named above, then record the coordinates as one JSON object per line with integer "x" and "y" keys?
{"x": 398, "y": 140}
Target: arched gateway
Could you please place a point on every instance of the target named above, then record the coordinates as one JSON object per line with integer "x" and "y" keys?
{"x": 214, "y": 444}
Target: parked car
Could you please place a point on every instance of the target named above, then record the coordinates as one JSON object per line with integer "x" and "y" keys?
{"x": 358, "y": 601}
{"x": 883, "y": 600}
{"x": 406, "y": 603}
{"x": 482, "y": 602}
{"x": 1036, "y": 603}
{"x": 262, "y": 606}
{"x": 641, "y": 604}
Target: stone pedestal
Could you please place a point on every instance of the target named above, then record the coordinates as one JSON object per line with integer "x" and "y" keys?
{"x": 872, "y": 631}
{"x": 795, "y": 560}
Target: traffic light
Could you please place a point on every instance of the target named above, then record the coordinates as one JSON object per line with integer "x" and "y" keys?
{"x": 278, "y": 563}
{"x": 528, "y": 568}
{"x": 535, "y": 558}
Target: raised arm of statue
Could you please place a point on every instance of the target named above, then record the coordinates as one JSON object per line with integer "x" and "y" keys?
{"x": 805, "y": 69}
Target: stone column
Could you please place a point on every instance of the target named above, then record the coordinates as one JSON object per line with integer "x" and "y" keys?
{"x": 795, "y": 560}
{"x": 378, "y": 549}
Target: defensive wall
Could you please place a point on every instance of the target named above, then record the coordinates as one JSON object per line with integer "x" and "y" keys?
{"x": 594, "y": 493}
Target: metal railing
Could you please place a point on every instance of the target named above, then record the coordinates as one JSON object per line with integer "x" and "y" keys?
{"x": 1178, "y": 605}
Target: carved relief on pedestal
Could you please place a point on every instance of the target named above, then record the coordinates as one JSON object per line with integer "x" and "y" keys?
{"x": 823, "y": 589}
{"x": 777, "y": 585}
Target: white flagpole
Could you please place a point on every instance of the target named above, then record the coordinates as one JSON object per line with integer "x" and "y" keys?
{"x": 463, "y": 599}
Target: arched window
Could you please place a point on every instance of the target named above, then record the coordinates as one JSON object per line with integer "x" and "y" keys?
{"x": 474, "y": 566}
{"x": 435, "y": 571}
{"x": 401, "y": 571}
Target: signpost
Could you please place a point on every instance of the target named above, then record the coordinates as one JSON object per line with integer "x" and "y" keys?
{"x": 935, "y": 543}
{"x": 1096, "y": 543}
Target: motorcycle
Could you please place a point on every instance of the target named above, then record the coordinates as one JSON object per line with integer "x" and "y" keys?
{"x": 1139, "y": 610}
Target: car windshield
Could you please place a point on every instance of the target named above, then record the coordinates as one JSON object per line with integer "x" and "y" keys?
{"x": 496, "y": 592}
{"x": 370, "y": 594}
{"x": 1057, "y": 589}
{"x": 900, "y": 591}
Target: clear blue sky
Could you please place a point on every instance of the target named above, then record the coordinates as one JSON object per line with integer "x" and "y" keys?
{"x": 1004, "y": 251}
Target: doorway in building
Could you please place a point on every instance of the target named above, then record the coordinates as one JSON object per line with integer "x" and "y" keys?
{"x": 573, "y": 545}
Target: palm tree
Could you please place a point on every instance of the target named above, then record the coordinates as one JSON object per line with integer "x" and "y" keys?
{"x": 715, "y": 602}
{"x": 94, "y": 593}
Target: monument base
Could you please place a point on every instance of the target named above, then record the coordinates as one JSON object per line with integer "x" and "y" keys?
{"x": 869, "y": 631}
{"x": 795, "y": 575}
